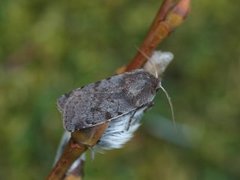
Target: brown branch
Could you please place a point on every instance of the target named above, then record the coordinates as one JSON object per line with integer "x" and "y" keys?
{"x": 77, "y": 145}
{"x": 170, "y": 15}
{"x": 70, "y": 154}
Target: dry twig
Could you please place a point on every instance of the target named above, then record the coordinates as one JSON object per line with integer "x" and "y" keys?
{"x": 170, "y": 15}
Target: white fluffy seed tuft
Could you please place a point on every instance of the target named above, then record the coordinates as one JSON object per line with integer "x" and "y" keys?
{"x": 120, "y": 131}
{"x": 158, "y": 62}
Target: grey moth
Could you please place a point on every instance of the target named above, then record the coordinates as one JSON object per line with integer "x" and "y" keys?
{"x": 121, "y": 100}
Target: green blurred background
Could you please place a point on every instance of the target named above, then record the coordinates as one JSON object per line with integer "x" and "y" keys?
{"x": 50, "y": 47}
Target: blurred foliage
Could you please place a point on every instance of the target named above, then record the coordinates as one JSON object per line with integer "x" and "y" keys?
{"x": 50, "y": 47}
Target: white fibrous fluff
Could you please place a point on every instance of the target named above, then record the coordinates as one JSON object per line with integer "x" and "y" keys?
{"x": 158, "y": 62}
{"x": 120, "y": 131}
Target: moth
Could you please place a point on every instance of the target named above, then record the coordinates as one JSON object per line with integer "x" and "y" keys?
{"x": 120, "y": 100}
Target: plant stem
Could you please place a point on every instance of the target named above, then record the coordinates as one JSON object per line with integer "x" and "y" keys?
{"x": 170, "y": 15}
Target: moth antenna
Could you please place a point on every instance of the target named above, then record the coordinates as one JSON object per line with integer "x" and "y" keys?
{"x": 148, "y": 58}
{"x": 170, "y": 104}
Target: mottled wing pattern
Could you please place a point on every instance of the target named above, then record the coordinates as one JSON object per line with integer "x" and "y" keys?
{"x": 103, "y": 100}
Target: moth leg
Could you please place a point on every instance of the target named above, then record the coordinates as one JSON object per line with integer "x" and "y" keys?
{"x": 149, "y": 106}
{"x": 144, "y": 109}
{"x": 130, "y": 120}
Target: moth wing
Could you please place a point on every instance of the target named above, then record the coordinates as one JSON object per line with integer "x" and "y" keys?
{"x": 96, "y": 103}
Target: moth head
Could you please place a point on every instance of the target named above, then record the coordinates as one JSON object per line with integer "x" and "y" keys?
{"x": 156, "y": 65}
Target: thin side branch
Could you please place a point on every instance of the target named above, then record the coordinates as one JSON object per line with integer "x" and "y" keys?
{"x": 77, "y": 172}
